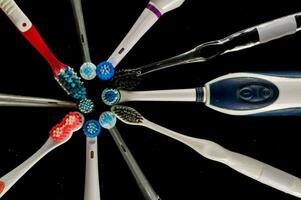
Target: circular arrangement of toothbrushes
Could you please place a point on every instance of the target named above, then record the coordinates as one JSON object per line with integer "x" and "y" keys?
{"x": 238, "y": 94}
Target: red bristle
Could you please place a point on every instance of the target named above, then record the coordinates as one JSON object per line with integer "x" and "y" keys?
{"x": 2, "y": 185}
{"x": 68, "y": 124}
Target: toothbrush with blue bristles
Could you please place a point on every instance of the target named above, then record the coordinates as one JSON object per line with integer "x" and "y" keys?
{"x": 64, "y": 74}
{"x": 249, "y": 94}
{"x": 150, "y": 15}
{"x": 247, "y": 38}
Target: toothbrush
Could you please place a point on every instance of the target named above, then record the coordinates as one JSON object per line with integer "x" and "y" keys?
{"x": 260, "y": 34}
{"x": 150, "y": 15}
{"x": 108, "y": 121}
{"x": 64, "y": 74}
{"x": 59, "y": 134}
{"x": 252, "y": 94}
{"x": 88, "y": 69}
{"x": 91, "y": 128}
{"x": 25, "y": 101}
{"x": 250, "y": 167}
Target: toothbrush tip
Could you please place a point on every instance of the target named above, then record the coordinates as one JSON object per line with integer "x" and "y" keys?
{"x": 107, "y": 120}
{"x": 105, "y": 70}
{"x": 86, "y": 105}
{"x": 92, "y": 128}
{"x": 88, "y": 71}
{"x": 2, "y": 185}
{"x": 110, "y": 96}
{"x": 72, "y": 122}
{"x": 127, "y": 114}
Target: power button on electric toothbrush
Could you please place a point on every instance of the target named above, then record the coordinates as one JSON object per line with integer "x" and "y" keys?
{"x": 255, "y": 93}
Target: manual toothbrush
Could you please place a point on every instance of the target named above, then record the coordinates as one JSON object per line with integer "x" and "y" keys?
{"x": 64, "y": 74}
{"x": 250, "y": 37}
{"x": 59, "y": 134}
{"x": 153, "y": 11}
{"x": 248, "y": 166}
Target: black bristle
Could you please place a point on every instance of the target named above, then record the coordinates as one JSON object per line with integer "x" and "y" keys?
{"x": 128, "y": 114}
{"x": 127, "y": 79}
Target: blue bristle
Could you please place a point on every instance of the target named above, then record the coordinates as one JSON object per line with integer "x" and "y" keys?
{"x": 71, "y": 83}
{"x": 86, "y": 105}
{"x": 88, "y": 71}
{"x": 107, "y": 120}
{"x": 110, "y": 96}
{"x": 92, "y": 128}
{"x": 105, "y": 70}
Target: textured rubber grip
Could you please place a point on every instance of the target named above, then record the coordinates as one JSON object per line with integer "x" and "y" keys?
{"x": 15, "y": 14}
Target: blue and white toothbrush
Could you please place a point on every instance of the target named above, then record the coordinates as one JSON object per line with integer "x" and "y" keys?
{"x": 254, "y": 94}
{"x": 245, "y": 165}
{"x": 250, "y": 37}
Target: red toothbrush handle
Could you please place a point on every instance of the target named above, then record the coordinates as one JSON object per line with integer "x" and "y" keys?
{"x": 35, "y": 39}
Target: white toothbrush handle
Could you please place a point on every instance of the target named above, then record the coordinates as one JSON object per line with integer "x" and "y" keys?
{"x": 183, "y": 95}
{"x": 250, "y": 167}
{"x": 13, "y": 176}
{"x": 16, "y": 15}
{"x": 146, "y": 20}
{"x": 92, "y": 180}
{"x": 264, "y": 173}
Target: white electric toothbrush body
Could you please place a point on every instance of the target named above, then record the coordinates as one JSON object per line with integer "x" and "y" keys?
{"x": 153, "y": 11}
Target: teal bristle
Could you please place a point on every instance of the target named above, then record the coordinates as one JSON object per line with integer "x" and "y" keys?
{"x": 71, "y": 83}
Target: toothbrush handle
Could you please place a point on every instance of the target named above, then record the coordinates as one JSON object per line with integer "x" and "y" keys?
{"x": 255, "y": 94}
{"x": 92, "y": 178}
{"x": 7, "y": 181}
{"x": 183, "y": 95}
{"x": 146, "y": 20}
{"x": 80, "y": 23}
{"x": 264, "y": 173}
{"x": 143, "y": 184}
{"x": 24, "y": 25}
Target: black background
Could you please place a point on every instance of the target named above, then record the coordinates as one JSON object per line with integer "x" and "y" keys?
{"x": 175, "y": 171}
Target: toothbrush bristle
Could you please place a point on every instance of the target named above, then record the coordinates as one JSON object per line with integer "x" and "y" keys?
{"x": 69, "y": 124}
{"x": 105, "y": 70}
{"x": 127, "y": 79}
{"x": 86, "y": 106}
{"x": 2, "y": 185}
{"x": 127, "y": 114}
{"x": 71, "y": 83}
{"x": 110, "y": 96}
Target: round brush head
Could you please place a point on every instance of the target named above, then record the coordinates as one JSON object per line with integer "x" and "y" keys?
{"x": 127, "y": 114}
{"x": 110, "y": 96}
{"x": 88, "y": 71}
{"x": 107, "y": 120}
{"x": 72, "y": 122}
{"x": 105, "y": 71}
{"x": 86, "y": 105}
{"x": 92, "y": 128}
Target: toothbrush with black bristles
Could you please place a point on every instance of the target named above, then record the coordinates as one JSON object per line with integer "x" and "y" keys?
{"x": 248, "y": 94}
{"x": 266, "y": 32}
{"x": 245, "y": 165}
{"x": 64, "y": 74}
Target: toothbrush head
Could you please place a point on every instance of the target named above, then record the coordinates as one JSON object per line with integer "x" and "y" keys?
{"x": 86, "y": 105}
{"x": 92, "y": 128}
{"x": 72, "y": 122}
{"x": 105, "y": 70}
{"x": 107, "y": 120}
{"x": 110, "y": 96}
{"x": 127, "y": 79}
{"x": 165, "y": 6}
{"x": 88, "y": 71}
{"x": 2, "y": 186}
{"x": 127, "y": 115}
{"x": 71, "y": 83}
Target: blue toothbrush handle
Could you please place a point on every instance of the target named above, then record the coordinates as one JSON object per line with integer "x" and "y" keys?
{"x": 256, "y": 94}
